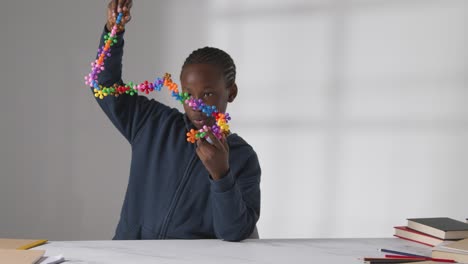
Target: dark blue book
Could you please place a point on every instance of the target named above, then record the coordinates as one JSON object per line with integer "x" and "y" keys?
{"x": 441, "y": 227}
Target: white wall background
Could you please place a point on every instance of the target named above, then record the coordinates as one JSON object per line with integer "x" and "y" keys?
{"x": 357, "y": 110}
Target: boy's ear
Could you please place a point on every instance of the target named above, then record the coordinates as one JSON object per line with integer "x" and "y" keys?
{"x": 232, "y": 93}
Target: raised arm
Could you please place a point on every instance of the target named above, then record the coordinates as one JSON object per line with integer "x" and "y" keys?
{"x": 128, "y": 113}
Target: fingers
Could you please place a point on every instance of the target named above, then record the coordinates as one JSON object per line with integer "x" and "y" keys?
{"x": 203, "y": 149}
{"x": 128, "y": 4}
{"x": 115, "y": 7}
{"x": 198, "y": 150}
{"x": 225, "y": 143}
{"x": 127, "y": 18}
{"x": 120, "y": 4}
{"x": 206, "y": 150}
{"x": 111, "y": 8}
{"x": 215, "y": 141}
{"x": 214, "y": 157}
{"x": 127, "y": 9}
{"x": 202, "y": 143}
{"x": 124, "y": 8}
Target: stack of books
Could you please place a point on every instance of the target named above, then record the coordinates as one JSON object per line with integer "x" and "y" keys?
{"x": 432, "y": 231}
{"x": 457, "y": 251}
{"x": 447, "y": 236}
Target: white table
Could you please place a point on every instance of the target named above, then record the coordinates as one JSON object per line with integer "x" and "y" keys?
{"x": 289, "y": 251}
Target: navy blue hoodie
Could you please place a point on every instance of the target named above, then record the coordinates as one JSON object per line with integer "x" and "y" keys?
{"x": 170, "y": 194}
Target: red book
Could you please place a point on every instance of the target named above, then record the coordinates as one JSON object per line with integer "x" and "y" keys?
{"x": 412, "y": 235}
{"x": 392, "y": 260}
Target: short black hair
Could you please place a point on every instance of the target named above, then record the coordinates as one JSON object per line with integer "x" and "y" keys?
{"x": 217, "y": 57}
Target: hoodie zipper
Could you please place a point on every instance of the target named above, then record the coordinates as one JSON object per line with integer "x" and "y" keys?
{"x": 178, "y": 192}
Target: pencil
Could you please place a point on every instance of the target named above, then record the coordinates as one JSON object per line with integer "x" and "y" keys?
{"x": 425, "y": 258}
{"x": 401, "y": 253}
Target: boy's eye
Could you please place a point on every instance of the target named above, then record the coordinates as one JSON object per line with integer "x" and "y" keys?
{"x": 208, "y": 94}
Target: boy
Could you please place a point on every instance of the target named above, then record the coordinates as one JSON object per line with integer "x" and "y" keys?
{"x": 178, "y": 189}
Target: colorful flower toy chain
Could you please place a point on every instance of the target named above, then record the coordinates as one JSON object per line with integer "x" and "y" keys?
{"x": 221, "y": 120}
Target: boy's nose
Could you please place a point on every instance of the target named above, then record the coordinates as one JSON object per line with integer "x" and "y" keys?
{"x": 201, "y": 97}
{"x": 197, "y": 97}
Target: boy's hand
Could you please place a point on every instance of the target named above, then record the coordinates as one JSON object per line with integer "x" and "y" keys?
{"x": 215, "y": 157}
{"x": 115, "y": 7}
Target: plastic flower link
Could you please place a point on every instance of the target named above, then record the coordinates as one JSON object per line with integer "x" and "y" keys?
{"x": 112, "y": 39}
{"x": 218, "y": 129}
{"x": 202, "y": 133}
{"x": 194, "y": 103}
{"x": 99, "y": 93}
{"x": 114, "y": 90}
{"x": 221, "y": 121}
{"x": 182, "y": 97}
{"x": 103, "y": 53}
{"x": 146, "y": 87}
{"x": 106, "y": 53}
{"x": 209, "y": 110}
{"x": 192, "y": 136}
{"x": 198, "y": 105}
{"x": 131, "y": 89}
{"x": 223, "y": 125}
{"x": 158, "y": 84}
{"x": 108, "y": 91}
{"x": 170, "y": 84}
{"x": 121, "y": 90}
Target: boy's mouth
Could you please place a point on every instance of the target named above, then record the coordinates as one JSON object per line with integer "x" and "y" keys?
{"x": 199, "y": 122}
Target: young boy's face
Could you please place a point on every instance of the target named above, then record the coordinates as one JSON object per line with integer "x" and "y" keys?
{"x": 206, "y": 82}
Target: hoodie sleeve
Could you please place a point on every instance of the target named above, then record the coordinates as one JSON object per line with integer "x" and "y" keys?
{"x": 236, "y": 201}
{"x": 127, "y": 113}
